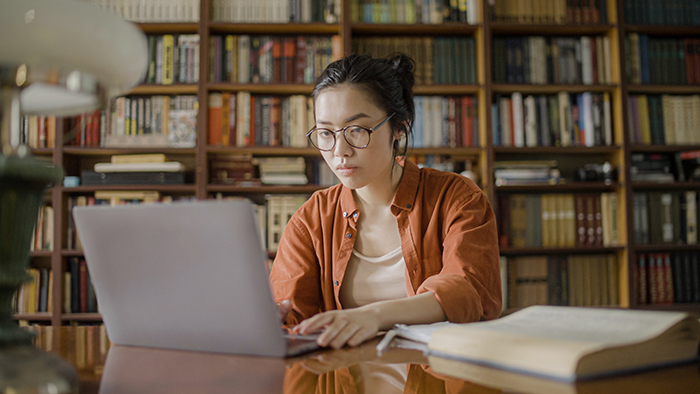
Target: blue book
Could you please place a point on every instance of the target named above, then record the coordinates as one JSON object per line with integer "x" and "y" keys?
{"x": 495, "y": 123}
{"x": 644, "y": 58}
{"x": 418, "y": 122}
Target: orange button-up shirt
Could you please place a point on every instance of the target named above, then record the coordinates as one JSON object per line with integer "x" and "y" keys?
{"x": 448, "y": 239}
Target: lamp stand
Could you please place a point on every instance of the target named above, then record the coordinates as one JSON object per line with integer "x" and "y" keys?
{"x": 23, "y": 181}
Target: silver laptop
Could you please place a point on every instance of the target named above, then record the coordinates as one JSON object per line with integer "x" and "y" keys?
{"x": 187, "y": 275}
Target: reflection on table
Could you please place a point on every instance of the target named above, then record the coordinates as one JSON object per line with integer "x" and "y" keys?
{"x": 353, "y": 370}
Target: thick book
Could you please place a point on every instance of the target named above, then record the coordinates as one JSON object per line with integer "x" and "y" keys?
{"x": 570, "y": 344}
{"x": 137, "y": 178}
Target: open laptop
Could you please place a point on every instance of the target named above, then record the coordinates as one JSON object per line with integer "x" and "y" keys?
{"x": 187, "y": 275}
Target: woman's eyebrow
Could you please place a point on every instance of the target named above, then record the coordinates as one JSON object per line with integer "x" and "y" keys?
{"x": 350, "y": 119}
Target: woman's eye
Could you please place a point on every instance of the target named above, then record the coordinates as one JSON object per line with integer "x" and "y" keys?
{"x": 325, "y": 134}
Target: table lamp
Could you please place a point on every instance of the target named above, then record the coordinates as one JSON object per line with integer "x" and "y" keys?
{"x": 63, "y": 58}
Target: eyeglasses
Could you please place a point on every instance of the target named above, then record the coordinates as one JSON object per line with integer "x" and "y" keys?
{"x": 356, "y": 136}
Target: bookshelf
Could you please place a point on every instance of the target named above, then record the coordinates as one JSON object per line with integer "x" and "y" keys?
{"x": 484, "y": 155}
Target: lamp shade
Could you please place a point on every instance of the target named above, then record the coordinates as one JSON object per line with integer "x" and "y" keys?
{"x": 75, "y": 55}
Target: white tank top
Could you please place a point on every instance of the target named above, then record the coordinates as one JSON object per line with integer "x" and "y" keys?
{"x": 372, "y": 279}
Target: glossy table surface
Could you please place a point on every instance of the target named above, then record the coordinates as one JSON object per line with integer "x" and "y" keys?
{"x": 352, "y": 370}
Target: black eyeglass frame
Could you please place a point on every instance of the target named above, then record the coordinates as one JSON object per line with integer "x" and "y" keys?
{"x": 370, "y": 130}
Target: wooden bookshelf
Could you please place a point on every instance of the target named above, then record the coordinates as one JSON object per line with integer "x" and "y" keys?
{"x": 484, "y": 155}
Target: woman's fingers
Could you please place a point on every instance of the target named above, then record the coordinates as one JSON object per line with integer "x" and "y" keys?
{"x": 345, "y": 333}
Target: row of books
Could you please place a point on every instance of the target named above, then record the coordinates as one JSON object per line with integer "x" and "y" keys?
{"x": 575, "y": 280}
{"x": 270, "y": 59}
{"x": 439, "y": 60}
{"x": 36, "y": 295}
{"x": 84, "y": 346}
{"x": 656, "y": 167}
{"x": 665, "y": 61}
{"x": 445, "y": 121}
{"x": 563, "y": 119}
{"x": 546, "y": 60}
{"x": 661, "y": 12}
{"x": 550, "y": 11}
{"x": 172, "y": 59}
{"x": 38, "y": 131}
{"x": 151, "y": 11}
{"x": 663, "y": 119}
{"x": 558, "y": 220}
{"x": 276, "y": 11}
{"x": 415, "y": 11}
{"x": 242, "y": 119}
{"x": 668, "y": 278}
{"x": 140, "y": 121}
{"x": 78, "y": 291}
{"x": 42, "y": 236}
{"x": 665, "y": 217}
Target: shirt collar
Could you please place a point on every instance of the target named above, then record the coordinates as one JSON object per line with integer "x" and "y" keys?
{"x": 403, "y": 198}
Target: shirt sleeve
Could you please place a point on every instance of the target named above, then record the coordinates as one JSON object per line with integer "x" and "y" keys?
{"x": 468, "y": 287}
{"x": 295, "y": 273}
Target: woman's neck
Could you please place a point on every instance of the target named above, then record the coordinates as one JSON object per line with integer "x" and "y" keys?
{"x": 378, "y": 196}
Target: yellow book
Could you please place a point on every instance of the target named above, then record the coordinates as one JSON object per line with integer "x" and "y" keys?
{"x": 143, "y": 158}
{"x": 569, "y": 219}
{"x": 168, "y": 59}
{"x": 643, "y": 106}
{"x": 546, "y": 237}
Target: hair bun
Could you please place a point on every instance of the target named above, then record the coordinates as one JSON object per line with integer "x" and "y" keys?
{"x": 404, "y": 66}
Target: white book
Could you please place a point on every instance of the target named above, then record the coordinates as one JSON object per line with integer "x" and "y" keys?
{"x": 242, "y": 118}
{"x": 530, "y": 121}
{"x": 506, "y": 137}
{"x": 170, "y": 166}
{"x": 608, "y": 60}
{"x": 565, "y": 121}
{"x": 472, "y": 12}
{"x": 607, "y": 119}
{"x": 518, "y": 120}
{"x": 588, "y": 125}
{"x": 691, "y": 217}
{"x": 244, "y": 59}
{"x": 586, "y": 61}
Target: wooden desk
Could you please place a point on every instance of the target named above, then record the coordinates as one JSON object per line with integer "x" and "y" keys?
{"x": 153, "y": 371}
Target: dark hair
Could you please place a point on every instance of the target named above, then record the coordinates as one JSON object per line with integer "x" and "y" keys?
{"x": 388, "y": 82}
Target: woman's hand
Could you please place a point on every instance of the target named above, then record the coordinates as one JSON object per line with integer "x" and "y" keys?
{"x": 283, "y": 308}
{"x": 342, "y": 327}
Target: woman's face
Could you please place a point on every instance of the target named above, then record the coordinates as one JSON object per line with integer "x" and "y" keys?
{"x": 342, "y": 106}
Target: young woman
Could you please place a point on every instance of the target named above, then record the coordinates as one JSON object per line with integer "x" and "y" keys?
{"x": 392, "y": 243}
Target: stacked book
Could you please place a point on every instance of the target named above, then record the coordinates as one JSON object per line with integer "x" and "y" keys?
{"x": 145, "y": 169}
{"x": 651, "y": 167}
{"x": 282, "y": 170}
{"x": 233, "y": 170}
{"x": 509, "y": 173}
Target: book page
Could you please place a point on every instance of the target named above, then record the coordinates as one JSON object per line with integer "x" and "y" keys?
{"x": 603, "y": 326}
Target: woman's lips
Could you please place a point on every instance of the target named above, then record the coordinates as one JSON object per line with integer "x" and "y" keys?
{"x": 346, "y": 170}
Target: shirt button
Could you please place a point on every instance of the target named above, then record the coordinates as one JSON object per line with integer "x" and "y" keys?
{"x": 345, "y": 214}
{"x": 335, "y": 283}
{"x": 348, "y": 235}
{"x": 408, "y": 205}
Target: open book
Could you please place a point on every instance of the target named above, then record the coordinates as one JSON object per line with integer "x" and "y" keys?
{"x": 566, "y": 343}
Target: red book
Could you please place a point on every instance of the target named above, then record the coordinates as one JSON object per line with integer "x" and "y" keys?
{"x": 214, "y": 119}
{"x": 467, "y": 121}
{"x": 300, "y": 59}
{"x": 651, "y": 279}
{"x": 83, "y": 286}
{"x": 94, "y": 133}
{"x": 276, "y": 60}
{"x": 288, "y": 65}
{"x": 689, "y": 61}
{"x": 598, "y": 220}
{"x": 642, "y": 298}
{"x": 595, "y": 11}
{"x": 41, "y": 134}
{"x": 594, "y": 61}
{"x": 668, "y": 279}
{"x": 232, "y": 121}
{"x": 275, "y": 121}
{"x": 251, "y": 135}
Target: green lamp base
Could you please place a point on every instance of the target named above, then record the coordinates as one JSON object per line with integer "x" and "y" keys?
{"x": 23, "y": 181}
